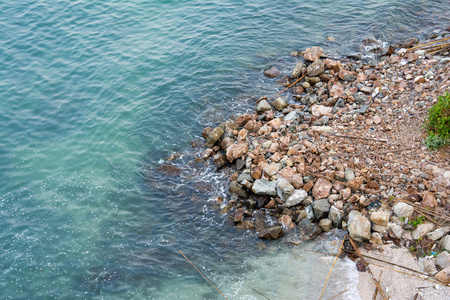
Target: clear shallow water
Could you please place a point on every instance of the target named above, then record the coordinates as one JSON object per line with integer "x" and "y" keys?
{"x": 95, "y": 94}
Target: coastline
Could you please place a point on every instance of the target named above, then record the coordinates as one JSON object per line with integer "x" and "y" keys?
{"x": 344, "y": 152}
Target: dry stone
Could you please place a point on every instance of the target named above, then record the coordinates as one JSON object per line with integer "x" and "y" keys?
{"x": 422, "y": 230}
{"x": 296, "y": 198}
{"x": 380, "y": 217}
{"x": 403, "y": 210}
{"x": 264, "y": 187}
{"x": 235, "y": 151}
{"x": 358, "y": 226}
{"x": 321, "y": 188}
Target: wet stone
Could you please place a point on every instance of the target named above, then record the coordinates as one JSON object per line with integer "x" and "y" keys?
{"x": 271, "y": 233}
{"x": 308, "y": 229}
{"x": 272, "y": 72}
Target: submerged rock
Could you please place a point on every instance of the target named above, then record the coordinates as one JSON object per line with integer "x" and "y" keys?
{"x": 169, "y": 170}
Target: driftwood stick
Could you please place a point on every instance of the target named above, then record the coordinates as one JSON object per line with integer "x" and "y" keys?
{"x": 258, "y": 292}
{"x": 329, "y": 273}
{"x": 202, "y": 274}
{"x": 376, "y": 290}
{"x": 289, "y": 86}
{"x": 430, "y": 43}
{"x": 380, "y": 290}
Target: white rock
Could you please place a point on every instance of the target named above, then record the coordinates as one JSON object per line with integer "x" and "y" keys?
{"x": 296, "y": 198}
{"x": 396, "y": 229}
{"x": 422, "y": 230}
{"x": 403, "y": 210}
{"x": 438, "y": 233}
{"x": 445, "y": 242}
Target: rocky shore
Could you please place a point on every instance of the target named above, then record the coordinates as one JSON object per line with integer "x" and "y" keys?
{"x": 343, "y": 151}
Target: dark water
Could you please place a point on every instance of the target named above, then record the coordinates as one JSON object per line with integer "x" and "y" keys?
{"x": 96, "y": 94}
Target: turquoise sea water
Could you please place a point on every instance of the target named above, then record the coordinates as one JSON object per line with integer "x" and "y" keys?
{"x": 97, "y": 94}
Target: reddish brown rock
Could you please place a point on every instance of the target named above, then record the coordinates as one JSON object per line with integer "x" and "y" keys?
{"x": 337, "y": 90}
{"x": 257, "y": 171}
{"x": 275, "y": 123}
{"x": 270, "y": 233}
{"x": 320, "y": 110}
{"x": 242, "y": 135}
{"x": 243, "y": 119}
{"x": 226, "y": 142}
{"x": 297, "y": 180}
{"x": 253, "y": 126}
{"x": 236, "y": 151}
{"x": 321, "y": 189}
{"x": 333, "y": 65}
{"x": 429, "y": 200}
{"x": 308, "y": 186}
{"x": 357, "y": 182}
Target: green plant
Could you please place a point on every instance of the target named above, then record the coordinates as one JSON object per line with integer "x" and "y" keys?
{"x": 434, "y": 142}
{"x": 417, "y": 221}
{"x": 438, "y": 124}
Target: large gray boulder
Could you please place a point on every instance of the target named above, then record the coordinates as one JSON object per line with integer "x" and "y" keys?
{"x": 264, "y": 187}
{"x": 443, "y": 260}
{"x": 438, "y": 233}
{"x": 445, "y": 242}
{"x": 284, "y": 188}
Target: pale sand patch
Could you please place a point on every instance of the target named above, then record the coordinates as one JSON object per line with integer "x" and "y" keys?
{"x": 398, "y": 285}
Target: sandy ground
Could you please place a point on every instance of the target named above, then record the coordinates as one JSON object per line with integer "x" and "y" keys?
{"x": 398, "y": 285}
